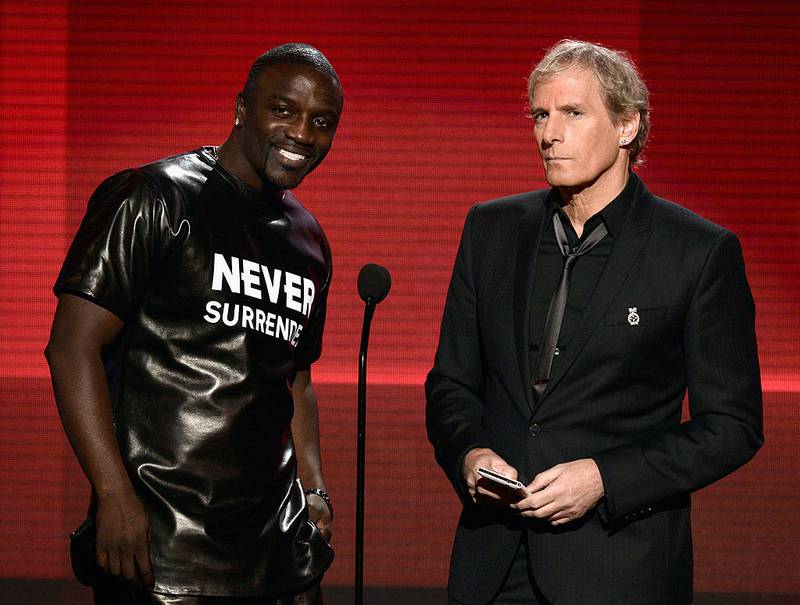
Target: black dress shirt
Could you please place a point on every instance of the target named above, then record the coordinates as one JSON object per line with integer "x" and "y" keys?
{"x": 586, "y": 273}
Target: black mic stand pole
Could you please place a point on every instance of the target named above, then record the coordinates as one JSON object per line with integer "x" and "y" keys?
{"x": 369, "y": 310}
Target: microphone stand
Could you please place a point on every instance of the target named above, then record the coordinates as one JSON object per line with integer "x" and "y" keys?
{"x": 369, "y": 310}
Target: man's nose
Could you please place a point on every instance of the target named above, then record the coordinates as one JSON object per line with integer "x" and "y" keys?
{"x": 553, "y": 131}
{"x": 300, "y": 131}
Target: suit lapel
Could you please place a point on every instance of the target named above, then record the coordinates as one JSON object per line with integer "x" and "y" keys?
{"x": 527, "y": 251}
{"x": 626, "y": 250}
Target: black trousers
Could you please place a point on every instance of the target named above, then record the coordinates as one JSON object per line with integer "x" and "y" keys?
{"x": 519, "y": 586}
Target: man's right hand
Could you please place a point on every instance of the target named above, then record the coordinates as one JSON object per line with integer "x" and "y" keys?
{"x": 81, "y": 330}
{"x": 123, "y": 543}
{"x": 481, "y": 490}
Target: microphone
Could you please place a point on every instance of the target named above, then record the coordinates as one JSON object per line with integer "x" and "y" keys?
{"x": 374, "y": 283}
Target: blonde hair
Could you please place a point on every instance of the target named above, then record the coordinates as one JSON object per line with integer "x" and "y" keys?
{"x": 621, "y": 86}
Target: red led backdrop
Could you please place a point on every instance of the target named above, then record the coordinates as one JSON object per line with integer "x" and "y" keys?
{"x": 434, "y": 122}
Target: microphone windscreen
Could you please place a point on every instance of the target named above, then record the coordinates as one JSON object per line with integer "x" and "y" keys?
{"x": 374, "y": 283}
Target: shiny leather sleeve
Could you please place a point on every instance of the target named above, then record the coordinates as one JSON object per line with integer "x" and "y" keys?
{"x": 309, "y": 349}
{"x": 125, "y": 232}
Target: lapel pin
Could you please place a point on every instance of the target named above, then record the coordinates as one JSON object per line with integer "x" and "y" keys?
{"x": 633, "y": 316}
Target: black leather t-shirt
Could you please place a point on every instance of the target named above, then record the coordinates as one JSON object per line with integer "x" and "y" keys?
{"x": 223, "y": 295}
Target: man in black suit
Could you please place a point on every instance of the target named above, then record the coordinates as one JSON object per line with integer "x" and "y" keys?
{"x": 576, "y": 320}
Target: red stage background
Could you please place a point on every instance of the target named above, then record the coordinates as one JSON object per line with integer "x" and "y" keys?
{"x": 434, "y": 121}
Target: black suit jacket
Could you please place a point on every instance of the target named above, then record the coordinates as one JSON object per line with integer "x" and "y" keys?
{"x": 615, "y": 396}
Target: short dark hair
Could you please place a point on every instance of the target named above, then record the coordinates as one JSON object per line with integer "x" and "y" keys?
{"x": 296, "y": 53}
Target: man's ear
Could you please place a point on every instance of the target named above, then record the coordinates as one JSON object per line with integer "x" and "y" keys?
{"x": 629, "y": 126}
{"x": 240, "y": 111}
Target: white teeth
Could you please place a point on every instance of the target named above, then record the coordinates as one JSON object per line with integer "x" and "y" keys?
{"x": 296, "y": 157}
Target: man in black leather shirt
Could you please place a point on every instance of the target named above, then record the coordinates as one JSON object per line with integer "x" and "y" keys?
{"x": 191, "y": 307}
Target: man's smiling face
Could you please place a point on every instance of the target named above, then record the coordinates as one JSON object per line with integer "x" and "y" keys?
{"x": 287, "y": 124}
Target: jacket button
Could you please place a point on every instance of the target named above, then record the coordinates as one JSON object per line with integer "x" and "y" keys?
{"x": 534, "y": 429}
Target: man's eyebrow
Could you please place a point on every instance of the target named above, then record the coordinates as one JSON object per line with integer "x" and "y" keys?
{"x": 330, "y": 113}
{"x": 279, "y": 97}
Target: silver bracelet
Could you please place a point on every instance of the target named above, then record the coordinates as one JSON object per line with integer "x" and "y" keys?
{"x": 322, "y": 494}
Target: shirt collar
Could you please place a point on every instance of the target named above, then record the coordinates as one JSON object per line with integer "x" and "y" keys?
{"x": 613, "y": 214}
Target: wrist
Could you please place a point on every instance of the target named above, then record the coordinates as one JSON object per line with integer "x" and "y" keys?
{"x": 322, "y": 494}
{"x": 600, "y": 487}
{"x": 114, "y": 490}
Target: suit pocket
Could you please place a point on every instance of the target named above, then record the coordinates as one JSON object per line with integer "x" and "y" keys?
{"x": 636, "y": 317}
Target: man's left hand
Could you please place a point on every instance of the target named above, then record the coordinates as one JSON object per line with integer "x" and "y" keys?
{"x": 320, "y": 515}
{"x": 563, "y": 493}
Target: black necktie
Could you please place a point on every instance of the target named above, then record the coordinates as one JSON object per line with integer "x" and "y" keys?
{"x": 555, "y": 314}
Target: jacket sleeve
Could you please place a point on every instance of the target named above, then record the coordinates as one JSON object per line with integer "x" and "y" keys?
{"x": 454, "y": 387}
{"x": 724, "y": 389}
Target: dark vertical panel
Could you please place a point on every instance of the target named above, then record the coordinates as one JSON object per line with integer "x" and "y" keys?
{"x": 726, "y": 97}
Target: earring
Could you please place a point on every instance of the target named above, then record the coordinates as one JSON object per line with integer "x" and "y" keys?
{"x": 236, "y": 123}
{"x": 623, "y": 142}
